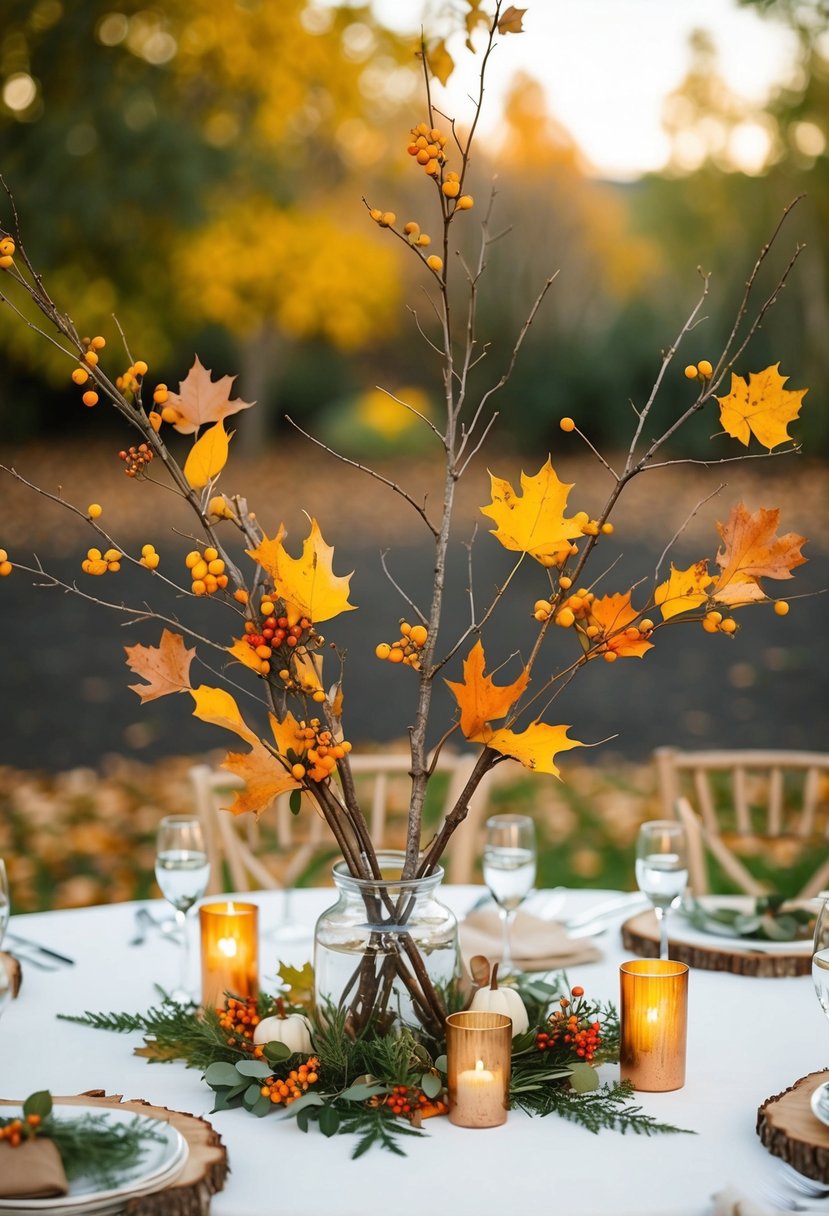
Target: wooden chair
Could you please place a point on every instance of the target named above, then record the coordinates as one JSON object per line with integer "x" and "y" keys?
{"x": 238, "y": 852}
{"x": 769, "y": 804}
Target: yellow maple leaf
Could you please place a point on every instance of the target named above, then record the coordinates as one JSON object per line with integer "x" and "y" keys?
{"x": 684, "y": 591}
{"x": 613, "y": 614}
{"x": 265, "y": 778}
{"x": 165, "y": 667}
{"x": 218, "y": 707}
{"x": 201, "y": 399}
{"x": 286, "y": 735}
{"x": 534, "y": 521}
{"x": 440, "y": 62}
{"x": 536, "y": 747}
{"x": 751, "y": 551}
{"x": 307, "y": 584}
{"x": 242, "y": 651}
{"x": 207, "y": 457}
{"x": 760, "y": 406}
{"x": 480, "y": 699}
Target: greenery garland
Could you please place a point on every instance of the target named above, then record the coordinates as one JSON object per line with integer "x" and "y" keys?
{"x": 381, "y": 1087}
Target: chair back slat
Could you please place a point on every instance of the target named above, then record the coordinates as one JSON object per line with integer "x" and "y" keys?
{"x": 811, "y": 794}
{"x": 742, "y": 811}
{"x": 775, "y": 809}
{"x": 705, "y": 799}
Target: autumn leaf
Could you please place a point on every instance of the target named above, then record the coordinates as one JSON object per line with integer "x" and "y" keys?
{"x": 265, "y": 778}
{"x": 479, "y": 698}
{"x": 208, "y": 456}
{"x": 473, "y": 19}
{"x": 165, "y": 667}
{"x": 760, "y": 406}
{"x": 613, "y": 614}
{"x": 201, "y": 399}
{"x": 286, "y": 735}
{"x": 536, "y": 747}
{"x": 684, "y": 591}
{"x": 440, "y": 62}
{"x": 751, "y": 551}
{"x": 243, "y": 651}
{"x": 307, "y": 584}
{"x": 510, "y": 20}
{"x": 534, "y": 522}
{"x": 218, "y": 707}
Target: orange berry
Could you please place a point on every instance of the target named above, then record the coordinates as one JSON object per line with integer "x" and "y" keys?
{"x": 5, "y": 569}
{"x": 419, "y": 634}
{"x": 565, "y": 582}
{"x": 465, "y": 202}
{"x": 704, "y": 368}
{"x": 610, "y": 656}
{"x": 91, "y": 358}
{"x": 94, "y": 510}
{"x": 387, "y": 219}
{"x": 198, "y": 587}
{"x": 565, "y": 618}
{"x": 451, "y": 189}
{"x": 376, "y": 214}
{"x": 395, "y": 654}
{"x": 80, "y": 375}
{"x": 240, "y": 595}
{"x": 7, "y": 247}
{"x": 90, "y": 397}
{"x": 691, "y": 372}
{"x": 382, "y": 650}
{"x": 411, "y": 228}
{"x": 608, "y": 529}
{"x": 98, "y": 343}
{"x": 423, "y": 240}
{"x": 139, "y": 367}
{"x": 6, "y": 260}
{"x": 781, "y": 608}
{"x": 567, "y": 424}
{"x": 435, "y": 263}
{"x": 298, "y": 771}
{"x": 155, "y": 420}
{"x": 729, "y": 625}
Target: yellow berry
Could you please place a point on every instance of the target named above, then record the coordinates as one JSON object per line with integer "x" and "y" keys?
{"x": 94, "y": 510}
{"x": 93, "y": 554}
{"x": 192, "y": 557}
{"x": 6, "y": 260}
{"x": 567, "y": 424}
{"x": 140, "y": 368}
{"x": 451, "y": 189}
{"x": 80, "y": 375}
{"x": 112, "y": 555}
{"x": 150, "y": 560}
{"x": 5, "y": 568}
{"x": 565, "y": 582}
{"x": 155, "y": 420}
{"x": 423, "y": 240}
{"x": 565, "y": 618}
{"x": 419, "y": 634}
{"x": 114, "y": 567}
{"x": 264, "y": 652}
{"x": 218, "y": 506}
{"x": 412, "y": 228}
{"x": 691, "y": 372}
{"x": 210, "y": 554}
{"x": 90, "y": 397}
{"x": 160, "y": 395}
{"x": 376, "y": 214}
{"x": 781, "y": 608}
{"x": 382, "y": 650}
{"x": 298, "y": 771}
{"x": 266, "y": 608}
{"x": 216, "y": 566}
{"x": 592, "y": 631}
{"x": 387, "y": 219}
{"x": 435, "y": 263}
{"x": 91, "y": 358}
{"x": 198, "y": 587}
{"x": 3, "y": 555}
{"x": 710, "y": 626}
{"x": 395, "y": 654}
{"x": 7, "y": 247}
{"x": 432, "y": 167}
{"x": 405, "y": 628}
{"x": 199, "y": 570}
{"x": 98, "y": 343}
{"x": 318, "y": 696}
{"x": 645, "y": 625}
{"x": 729, "y": 625}
{"x": 713, "y": 617}
{"x": 608, "y": 529}
{"x": 465, "y": 202}
{"x": 210, "y": 583}
{"x": 240, "y": 595}
{"x": 610, "y": 656}
{"x": 704, "y": 368}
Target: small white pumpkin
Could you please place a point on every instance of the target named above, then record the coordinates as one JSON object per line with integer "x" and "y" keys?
{"x": 502, "y": 1000}
{"x": 294, "y": 1031}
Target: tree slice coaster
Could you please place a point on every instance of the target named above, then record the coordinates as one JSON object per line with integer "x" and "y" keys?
{"x": 788, "y": 1129}
{"x": 640, "y": 935}
{"x": 204, "y": 1172}
{"x": 13, "y": 970}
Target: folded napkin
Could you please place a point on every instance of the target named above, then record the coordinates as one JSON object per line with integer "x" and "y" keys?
{"x": 32, "y": 1170}
{"x": 732, "y": 1202}
{"x": 13, "y": 970}
{"x": 537, "y": 945}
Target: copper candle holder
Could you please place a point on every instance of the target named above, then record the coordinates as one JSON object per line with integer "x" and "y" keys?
{"x": 478, "y": 1056}
{"x": 229, "y": 951}
{"x": 653, "y": 1023}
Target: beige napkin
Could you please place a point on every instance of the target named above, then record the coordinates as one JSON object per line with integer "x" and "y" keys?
{"x": 537, "y": 945}
{"x": 33, "y": 1170}
{"x": 732, "y": 1202}
{"x": 13, "y": 970}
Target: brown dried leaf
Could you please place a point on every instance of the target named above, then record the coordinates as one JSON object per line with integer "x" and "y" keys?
{"x": 165, "y": 667}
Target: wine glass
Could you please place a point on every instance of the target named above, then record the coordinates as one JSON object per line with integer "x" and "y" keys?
{"x": 5, "y": 906}
{"x": 662, "y": 870}
{"x": 509, "y": 871}
{"x": 820, "y": 957}
{"x": 181, "y": 871}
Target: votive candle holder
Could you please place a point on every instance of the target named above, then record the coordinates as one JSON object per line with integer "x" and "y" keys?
{"x": 478, "y": 1058}
{"x": 653, "y": 1015}
{"x": 229, "y": 951}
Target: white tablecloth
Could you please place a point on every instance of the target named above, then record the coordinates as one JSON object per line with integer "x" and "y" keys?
{"x": 748, "y": 1039}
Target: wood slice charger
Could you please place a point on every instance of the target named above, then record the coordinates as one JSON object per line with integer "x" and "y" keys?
{"x": 788, "y": 1129}
{"x": 640, "y": 935}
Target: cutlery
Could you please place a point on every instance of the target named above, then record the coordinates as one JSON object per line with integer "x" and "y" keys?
{"x": 608, "y": 908}
{"x": 30, "y": 945}
{"x": 145, "y": 921}
{"x": 807, "y": 1186}
{"x": 32, "y": 960}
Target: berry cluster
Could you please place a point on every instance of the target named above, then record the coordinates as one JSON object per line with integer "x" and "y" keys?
{"x": 703, "y": 368}
{"x": 207, "y": 571}
{"x": 5, "y": 564}
{"x": 408, "y": 646}
{"x": 136, "y": 458}
{"x": 149, "y": 557}
{"x": 275, "y": 633}
{"x": 593, "y": 528}
{"x": 239, "y": 1019}
{"x": 80, "y": 375}
{"x": 427, "y": 145}
{"x": 284, "y": 1092}
{"x": 414, "y": 236}
{"x": 7, "y": 249}
{"x": 451, "y": 189}
{"x": 97, "y": 562}
{"x": 130, "y": 380}
{"x": 320, "y": 751}
{"x": 406, "y": 1101}
{"x": 17, "y": 1130}
{"x": 715, "y": 622}
{"x": 571, "y": 1027}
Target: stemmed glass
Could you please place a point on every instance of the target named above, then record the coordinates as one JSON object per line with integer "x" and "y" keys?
{"x": 5, "y": 906}
{"x": 509, "y": 871}
{"x": 662, "y": 870}
{"x": 181, "y": 871}
{"x": 820, "y": 957}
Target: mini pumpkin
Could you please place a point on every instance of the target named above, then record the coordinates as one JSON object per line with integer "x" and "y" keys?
{"x": 502, "y": 1000}
{"x": 294, "y": 1031}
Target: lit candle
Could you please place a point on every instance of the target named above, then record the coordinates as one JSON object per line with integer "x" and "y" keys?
{"x": 653, "y": 1023}
{"x": 229, "y": 951}
{"x": 478, "y": 1051}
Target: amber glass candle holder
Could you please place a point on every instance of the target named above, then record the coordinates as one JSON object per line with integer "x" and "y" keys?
{"x": 229, "y": 951}
{"x": 478, "y": 1059}
{"x": 653, "y": 1023}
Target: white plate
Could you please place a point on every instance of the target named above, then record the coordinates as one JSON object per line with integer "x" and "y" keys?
{"x": 819, "y": 1102}
{"x": 681, "y": 930}
{"x": 161, "y": 1162}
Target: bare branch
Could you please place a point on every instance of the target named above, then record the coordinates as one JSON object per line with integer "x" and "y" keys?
{"x": 420, "y": 615}
{"x": 682, "y": 528}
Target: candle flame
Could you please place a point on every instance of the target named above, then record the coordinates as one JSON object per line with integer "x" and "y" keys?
{"x": 479, "y": 1066}
{"x": 652, "y": 1015}
{"x": 228, "y": 946}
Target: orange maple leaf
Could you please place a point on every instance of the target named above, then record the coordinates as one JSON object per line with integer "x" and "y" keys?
{"x": 265, "y": 778}
{"x": 535, "y": 747}
{"x": 165, "y": 667}
{"x": 760, "y": 406}
{"x": 307, "y": 584}
{"x": 480, "y": 699}
{"x": 201, "y": 399}
{"x": 684, "y": 591}
{"x": 613, "y": 614}
{"x": 510, "y": 21}
{"x": 751, "y": 551}
{"x": 242, "y": 651}
{"x": 534, "y": 521}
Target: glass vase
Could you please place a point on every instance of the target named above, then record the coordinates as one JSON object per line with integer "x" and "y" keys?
{"x": 386, "y": 953}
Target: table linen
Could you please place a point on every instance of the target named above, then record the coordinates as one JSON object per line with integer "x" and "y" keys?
{"x": 748, "y": 1038}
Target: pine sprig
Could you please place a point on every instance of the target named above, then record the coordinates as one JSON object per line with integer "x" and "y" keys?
{"x": 605, "y": 1108}
{"x": 375, "y": 1126}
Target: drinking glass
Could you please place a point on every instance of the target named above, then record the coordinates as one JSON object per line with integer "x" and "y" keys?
{"x": 5, "y": 906}
{"x": 662, "y": 870}
{"x": 181, "y": 871}
{"x": 509, "y": 871}
{"x": 820, "y": 958}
